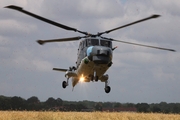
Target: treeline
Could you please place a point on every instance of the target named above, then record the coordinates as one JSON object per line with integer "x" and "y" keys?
{"x": 31, "y": 104}
{"x": 161, "y": 107}
{"x": 51, "y": 104}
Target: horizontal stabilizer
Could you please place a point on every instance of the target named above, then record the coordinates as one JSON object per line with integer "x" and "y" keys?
{"x": 59, "y": 69}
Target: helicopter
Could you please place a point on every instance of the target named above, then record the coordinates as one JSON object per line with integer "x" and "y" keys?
{"x": 95, "y": 52}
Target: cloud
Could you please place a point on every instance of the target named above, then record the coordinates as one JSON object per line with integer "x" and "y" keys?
{"x": 11, "y": 2}
{"x": 14, "y": 27}
{"x": 167, "y": 7}
{"x": 42, "y": 65}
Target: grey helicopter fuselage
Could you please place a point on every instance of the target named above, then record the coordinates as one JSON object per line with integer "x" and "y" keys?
{"x": 94, "y": 59}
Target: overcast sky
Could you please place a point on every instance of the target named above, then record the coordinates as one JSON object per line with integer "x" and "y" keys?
{"x": 138, "y": 74}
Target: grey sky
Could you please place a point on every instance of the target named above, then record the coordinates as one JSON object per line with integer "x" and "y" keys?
{"x": 138, "y": 74}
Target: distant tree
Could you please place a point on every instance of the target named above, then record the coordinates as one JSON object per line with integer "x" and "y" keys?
{"x": 175, "y": 107}
{"x": 165, "y": 108}
{"x": 107, "y": 105}
{"x": 70, "y": 107}
{"x": 142, "y": 107}
{"x": 59, "y": 102}
{"x": 117, "y": 105}
{"x": 79, "y": 107}
{"x": 33, "y": 103}
{"x": 156, "y": 109}
{"x": 50, "y": 102}
{"x": 130, "y": 105}
{"x": 98, "y": 107}
{"x": 33, "y": 100}
{"x": 89, "y": 104}
{"x": 17, "y": 103}
{"x": 5, "y": 103}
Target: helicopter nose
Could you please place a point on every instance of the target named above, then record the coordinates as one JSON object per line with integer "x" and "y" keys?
{"x": 102, "y": 52}
{"x": 99, "y": 54}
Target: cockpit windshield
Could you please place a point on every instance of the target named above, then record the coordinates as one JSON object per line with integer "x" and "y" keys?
{"x": 92, "y": 42}
{"x": 99, "y": 42}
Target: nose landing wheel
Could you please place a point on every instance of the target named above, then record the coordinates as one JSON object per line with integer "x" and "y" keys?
{"x": 107, "y": 89}
{"x": 96, "y": 78}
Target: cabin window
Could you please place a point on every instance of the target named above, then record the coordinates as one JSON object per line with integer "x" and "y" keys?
{"x": 106, "y": 43}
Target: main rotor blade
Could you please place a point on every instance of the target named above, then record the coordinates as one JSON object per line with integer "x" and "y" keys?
{"x": 59, "y": 69}
{"x": 41, "y": 42}
{"x": 172, "y": 50}
{"x": 138, "y": 21}
{"x": 44, "y": 19}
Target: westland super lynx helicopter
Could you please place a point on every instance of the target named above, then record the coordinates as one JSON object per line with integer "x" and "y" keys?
{"x": 94, "y": 53}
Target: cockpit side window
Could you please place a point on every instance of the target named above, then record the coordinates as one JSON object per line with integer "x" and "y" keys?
{"x": 88, "y": 42}
{"x": 80, "y": 45}
{"x": 84, "y": 43}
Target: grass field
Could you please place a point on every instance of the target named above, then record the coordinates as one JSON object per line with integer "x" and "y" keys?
{"x": 15, "y": 115}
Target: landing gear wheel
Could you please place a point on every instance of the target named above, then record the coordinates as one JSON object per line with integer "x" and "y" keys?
{"x": 96, "y": 78}
{"x": 92, "y": 77}
{"x": 64, "y": 84}
{"x": 107, "y": 89}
